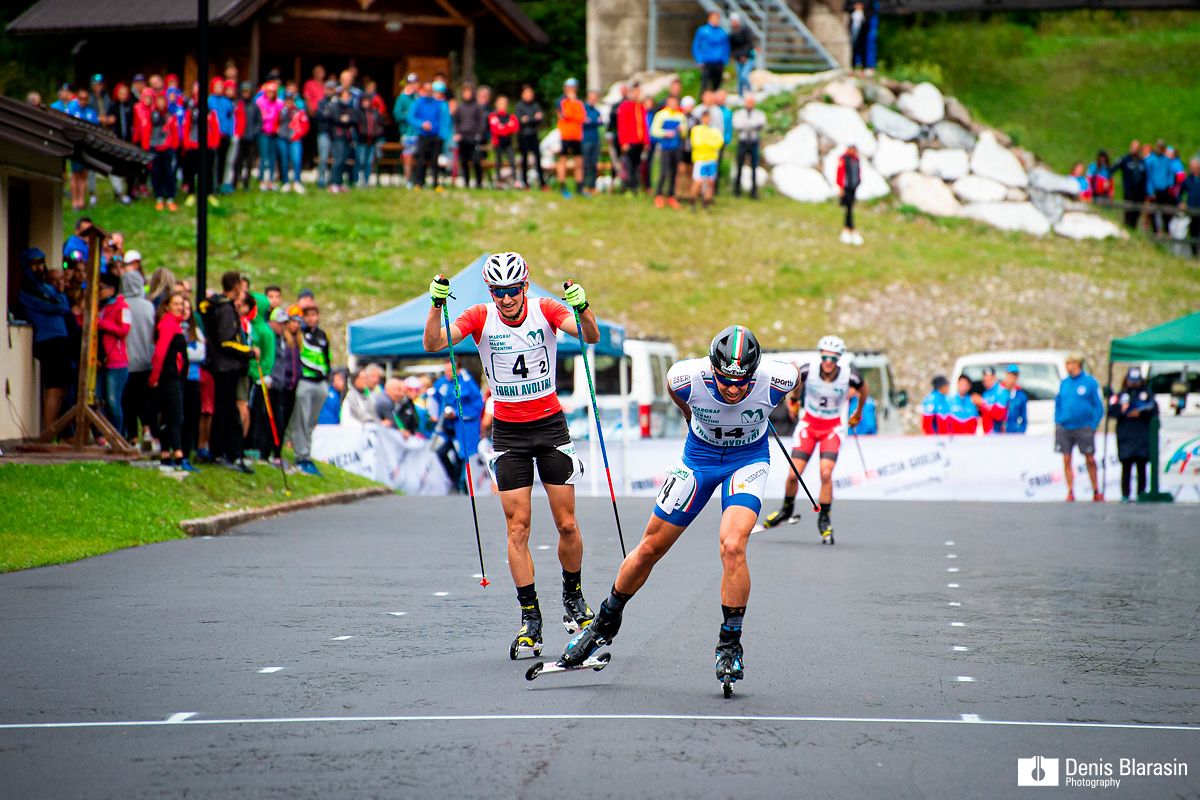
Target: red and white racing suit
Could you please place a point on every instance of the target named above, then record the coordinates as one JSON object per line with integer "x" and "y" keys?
{"x": 821, "y": 413}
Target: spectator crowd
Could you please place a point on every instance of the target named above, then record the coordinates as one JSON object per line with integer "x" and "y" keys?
{"x": 227, "y": 379}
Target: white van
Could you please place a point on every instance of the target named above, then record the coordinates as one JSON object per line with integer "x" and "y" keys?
{"x": 650, "y": 412}
{"x": 875, "y": 368}
{"x": 1042, "y": 371}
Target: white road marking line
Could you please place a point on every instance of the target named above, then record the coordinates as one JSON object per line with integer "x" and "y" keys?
{"x": 441, "y": 594}
{"x": 951, "y": 569}
{"x": 477, "y": 574}
{"x": 958, "y": 648}
{"x": 965, "y": 679}
{"x": 949, "y": 543}
{"x": 340, "y": 638}
{"x": 269, "y": 670}
{"x": 396, "y": 613}
{"x": 951, "y": 585}
{"x": 599, "y": 717}
{"x": 951, "y": 555}
{"x": 958, "y": 624}
{"x": 954, "y": 604}
{"x": 970, "y": 717}
{"x": 543, "y": 547}
{"x": 181, "y": 716}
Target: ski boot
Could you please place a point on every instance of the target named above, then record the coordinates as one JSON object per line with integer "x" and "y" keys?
{"x": 729, "y": 664}
{"x": 779, "y": 517}
{"x": 529, "y": 638}
{"x": 825, "y": 526}
{"x": 578, "y": 615}
{"x": 596, "y": 635}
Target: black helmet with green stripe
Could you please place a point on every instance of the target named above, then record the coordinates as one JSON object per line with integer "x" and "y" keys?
{"x": 735, "y": 352}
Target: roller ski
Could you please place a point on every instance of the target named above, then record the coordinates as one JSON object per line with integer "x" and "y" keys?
{"x": 786, "y": 513}
{"x": 729, "y": 665}
{"x": 578, "y": 615}
{"x": 825, "y": 527}
{"x": 580, "y": 653}
{"x": 528, "y": 643}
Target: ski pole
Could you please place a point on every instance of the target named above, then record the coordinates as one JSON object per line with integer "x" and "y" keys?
{"x": 467, "y": 458}
{"x": 795, "y": 471}
{"x": 274, "y": 431}
{"x": 860, "y": 455}
{"x": 599, "y": 429}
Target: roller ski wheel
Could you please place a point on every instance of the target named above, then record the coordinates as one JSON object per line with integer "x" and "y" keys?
{"x": 727, "y": 686}
{"x": 517, "y": 651}
{"x": 594, "y": 663}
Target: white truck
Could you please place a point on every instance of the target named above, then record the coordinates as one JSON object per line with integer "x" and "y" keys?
{"x": 650, "y": 412}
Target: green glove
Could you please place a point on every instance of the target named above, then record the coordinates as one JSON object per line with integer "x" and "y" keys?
{"x": 439, "y": 290}
{"x": 575, "y": 296}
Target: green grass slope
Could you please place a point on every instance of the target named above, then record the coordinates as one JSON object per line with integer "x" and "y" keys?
{"x": 1064, "y": 84}
{"x": 51, "y": 514}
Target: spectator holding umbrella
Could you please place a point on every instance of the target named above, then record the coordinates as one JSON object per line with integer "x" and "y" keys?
{"x": 1078, "y": 409}
{"x": 741, "y": 48}
{"x": 849, "y": 174}
{"x": 1133, "y": 408}
{"x": 710, "y": 50}
{"x": 1132, "y": 168}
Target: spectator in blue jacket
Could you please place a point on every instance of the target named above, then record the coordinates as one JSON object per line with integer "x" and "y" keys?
{"x": 1078, "y": 409}
{"x": 1009, "y": 404}
{"x": 429, "y": 117}
{"x": 331, "y": 410}
{"x": 47, "y": 309}
{"x": 869, "y": 425}
{"x": 593, "y": 119}
{"x": 1160, "y": 183}
{"x": 460, "y": 437}
{"x": 710, "y": 49}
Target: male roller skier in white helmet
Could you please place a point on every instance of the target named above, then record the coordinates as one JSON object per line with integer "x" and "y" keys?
{"x": 824, "y": 388}
{"x": 516, "y": 337}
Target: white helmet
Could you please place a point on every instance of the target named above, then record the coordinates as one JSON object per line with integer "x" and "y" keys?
{"x": 833, "y": 344}
{"x": 505, "y": 269}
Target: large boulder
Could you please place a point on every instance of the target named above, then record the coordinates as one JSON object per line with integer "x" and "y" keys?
{"x": 951, "y": 134}
{"x": 844, "y": 93}
{"x": 976, "y": 189}
{"x": 924, "y": 103}
{"x": 1021, "y": 217}
{"x": 1016, "y": 195}
{"x": 1050, "y": 204}
{"x": 957, "y": 112}
{"x": 949, "y": 165}
{"x": 893, "y": 157}
{"x": 802, "y": 183}
{"x": 798, "y": 147}
{"x": 1081, "y": 225}
{"x": 927, "y": 194}
{"x": 895, "y": 125}
{"x": 1047, "y": 181}
{"x": 841, "y": 125}
{"x": 878, "y": 93}
{"x": 871, "y": 185}
{"x": 991, "y": 160}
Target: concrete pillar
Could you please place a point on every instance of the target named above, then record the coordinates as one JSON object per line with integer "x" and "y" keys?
{"x": 616, "y": 40}
{"x": 827, "y": 21}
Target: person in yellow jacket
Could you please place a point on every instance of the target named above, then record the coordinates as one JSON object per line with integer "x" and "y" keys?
{"x": 707, "y": 142}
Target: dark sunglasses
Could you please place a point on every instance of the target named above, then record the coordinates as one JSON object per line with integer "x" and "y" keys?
{"x": 829, "y": 358}
{"x": 727, "y": 381}
{"x": 506, "y": 291}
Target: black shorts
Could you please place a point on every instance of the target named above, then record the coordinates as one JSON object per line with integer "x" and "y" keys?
{"x": 519, "y": 444}
{"x": 571, "y": 148}
{"x": 56, "y": 359}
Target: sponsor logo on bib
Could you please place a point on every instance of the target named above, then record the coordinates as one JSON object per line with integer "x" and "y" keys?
{"x": 753, "y": 416}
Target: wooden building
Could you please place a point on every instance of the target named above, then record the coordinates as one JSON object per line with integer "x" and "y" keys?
{"x": 384, "y": 39}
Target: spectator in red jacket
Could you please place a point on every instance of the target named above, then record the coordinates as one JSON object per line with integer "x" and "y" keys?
{"x": 504, "y": 126}
{"x": 293, "y": 127}
{"x": 314, "y": 89}
{"x": 162, "y": 138}
{"x": 370, "y": 122}
{"x": 571, "y": 116}
{"x": 632, "y": 137}
{"x": 849, "y": 175}
{"x": 113, "y": 324}
{"x": 168, "y": 371}
{"x": 191, "y": 146}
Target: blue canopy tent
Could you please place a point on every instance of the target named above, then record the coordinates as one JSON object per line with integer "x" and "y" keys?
{"x": 397, "y": 332}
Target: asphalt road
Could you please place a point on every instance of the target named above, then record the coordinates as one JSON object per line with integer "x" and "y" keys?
{"x": 856, "y": 656}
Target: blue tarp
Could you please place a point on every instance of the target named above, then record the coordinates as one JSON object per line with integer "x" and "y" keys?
{"x": 397, "y": 332}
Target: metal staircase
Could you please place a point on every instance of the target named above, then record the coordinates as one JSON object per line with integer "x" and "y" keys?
{"x": 785, "y": 44}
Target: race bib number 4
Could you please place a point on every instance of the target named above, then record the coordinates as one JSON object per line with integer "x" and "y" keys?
{"x": 524, "y": 366}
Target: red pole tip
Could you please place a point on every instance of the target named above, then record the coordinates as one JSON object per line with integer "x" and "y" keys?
{"x": 485, "y": 583}
{"x": 816, "y": 509}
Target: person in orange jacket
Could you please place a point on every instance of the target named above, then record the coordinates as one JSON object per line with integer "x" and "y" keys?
{"x": 571, "y": 116}
{"x": 504, "y": 126}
